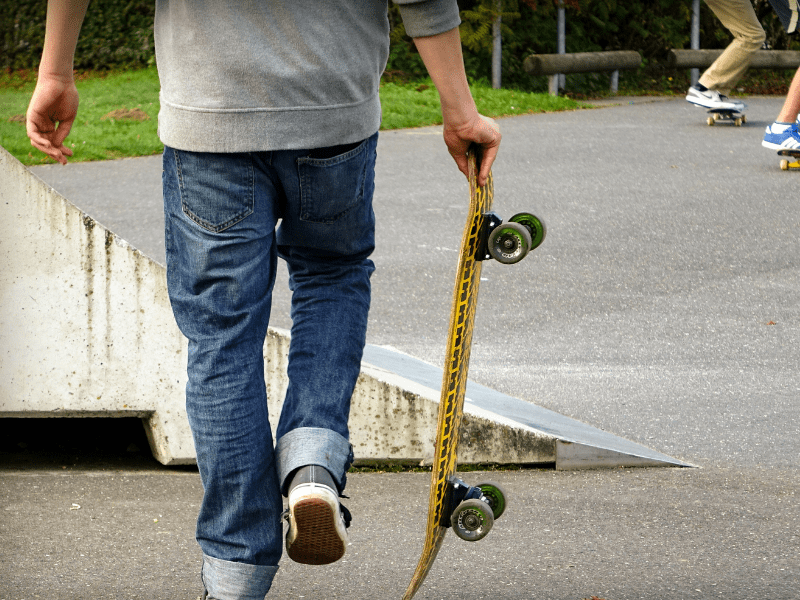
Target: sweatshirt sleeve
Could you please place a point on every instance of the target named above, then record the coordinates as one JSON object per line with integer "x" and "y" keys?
{"x": 423, "y": 18}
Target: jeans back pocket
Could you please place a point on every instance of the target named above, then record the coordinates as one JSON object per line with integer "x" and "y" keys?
{"x": 331, "y": 187}
{"x": 217, "y": 190}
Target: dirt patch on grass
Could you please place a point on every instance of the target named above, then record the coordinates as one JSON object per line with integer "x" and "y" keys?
{"x": 124, "y": 114}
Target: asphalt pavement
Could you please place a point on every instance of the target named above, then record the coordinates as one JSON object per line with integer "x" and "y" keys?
{"x": 662, "y": 307}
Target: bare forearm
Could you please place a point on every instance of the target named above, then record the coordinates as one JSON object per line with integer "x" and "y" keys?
{"x": 445, "y": 64}
{"x": 64, "y": 19}
{"x": 463, "y": 125}
{"x": 54, "y": 103}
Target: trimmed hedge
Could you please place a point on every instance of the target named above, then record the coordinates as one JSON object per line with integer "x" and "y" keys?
{"x": 116, "y": 34}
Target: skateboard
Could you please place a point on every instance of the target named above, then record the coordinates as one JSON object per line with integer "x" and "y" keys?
{"x": 785, "y": 163}
{"x": 469, "y": 510}
{"x": 735, "y": 115}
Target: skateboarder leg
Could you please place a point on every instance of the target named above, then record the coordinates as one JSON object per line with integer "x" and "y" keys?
{"x": 783, "y": 134}
{"x": 716, "y": 82}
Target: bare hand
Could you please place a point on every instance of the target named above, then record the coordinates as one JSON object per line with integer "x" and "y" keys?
{"x": 51, "y": 112}
{"x": 482, "y": 131}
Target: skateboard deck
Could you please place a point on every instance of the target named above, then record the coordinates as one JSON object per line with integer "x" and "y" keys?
{"x": 787, "y": 164}
{"x": 735, "y": 115}
{"x": 445, "y": 490}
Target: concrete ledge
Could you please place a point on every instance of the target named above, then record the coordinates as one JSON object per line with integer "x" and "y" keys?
{"x": 85, "y": 323}
{"x": 763, "y": 59}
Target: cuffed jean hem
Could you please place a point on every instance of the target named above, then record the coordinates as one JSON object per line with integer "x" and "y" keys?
{"x": 225, "y": 580}
{"x": 313, "y": 446}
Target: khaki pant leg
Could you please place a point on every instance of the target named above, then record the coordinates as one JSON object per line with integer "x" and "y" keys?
{"x": 740, "y": 19}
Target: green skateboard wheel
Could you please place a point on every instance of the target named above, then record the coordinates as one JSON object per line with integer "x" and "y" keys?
{"x": 496, "y": 497}
{"x": 536, "y": 227}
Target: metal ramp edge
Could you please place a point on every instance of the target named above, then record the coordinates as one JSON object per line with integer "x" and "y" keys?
{"x": 577, "y": 445}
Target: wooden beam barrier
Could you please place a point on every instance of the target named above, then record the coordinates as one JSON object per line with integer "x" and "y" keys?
{"x": 763, "y": 59}
{"x": 582, "y": 62}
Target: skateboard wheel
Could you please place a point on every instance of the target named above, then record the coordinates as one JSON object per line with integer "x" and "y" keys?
{"x": 784, "y": 165}
{"x": 536, "y": 227}
{"x": 472, "y": 520}
{"x": 496, "y": 497}
{"x": 509, "y": 243}
{"x": 744, "y": 119}
{"x": 738, "y": 122}
{"x": 710, "y": 121}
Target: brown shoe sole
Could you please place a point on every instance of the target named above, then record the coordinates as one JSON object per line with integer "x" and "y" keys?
{"x": 317, "y": 542}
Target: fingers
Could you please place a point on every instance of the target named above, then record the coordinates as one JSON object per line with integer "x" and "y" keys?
{"x": 462, "y": 163}
{"x": 51, "y": 113}
{"x": 489, "y": 155}
{"x": 490, "y": 145}
{"x": 48, "y": 137}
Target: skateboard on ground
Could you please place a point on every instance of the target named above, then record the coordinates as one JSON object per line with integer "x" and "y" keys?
{"x": 469, "y": 510}
{"x": 787, "y": 164}
{"x": 735, "y": 115}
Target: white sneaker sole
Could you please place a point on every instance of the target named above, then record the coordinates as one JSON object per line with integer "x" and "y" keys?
{"x": 317, "y": 534}
{"x": 707, "y": 104}
{"x": 774, "y": 146}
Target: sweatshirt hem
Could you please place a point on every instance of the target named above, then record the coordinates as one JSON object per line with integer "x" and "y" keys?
{"x": 227, "y": 130}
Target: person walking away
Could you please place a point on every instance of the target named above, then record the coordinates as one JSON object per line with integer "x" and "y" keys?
{"x": 269, "y": 114}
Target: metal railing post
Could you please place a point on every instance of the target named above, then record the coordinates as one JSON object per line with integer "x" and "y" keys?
{"x": 561, "y": 79}
{"x": 558, "y": 80}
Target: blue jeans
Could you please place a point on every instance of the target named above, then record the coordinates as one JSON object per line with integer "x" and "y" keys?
{"x": 221, "y": 213}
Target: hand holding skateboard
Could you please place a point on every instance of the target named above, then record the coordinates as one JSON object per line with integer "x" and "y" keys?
{"x": 469, "y": 510}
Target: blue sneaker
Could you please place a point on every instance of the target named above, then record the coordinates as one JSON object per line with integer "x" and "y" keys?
{"x": 780, "y": 136}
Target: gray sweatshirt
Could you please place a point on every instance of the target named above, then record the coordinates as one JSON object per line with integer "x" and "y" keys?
{"x": 253, "y": 75}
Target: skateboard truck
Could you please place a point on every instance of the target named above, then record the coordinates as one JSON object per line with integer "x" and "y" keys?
{"x": 472, "y": 510}
{"x": 511, "y": 241}
{"x": 734, "y": 115}
{"x": 786, "y": 164}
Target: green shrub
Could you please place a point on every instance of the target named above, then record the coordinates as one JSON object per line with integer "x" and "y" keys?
{"x": 116, "y": 34}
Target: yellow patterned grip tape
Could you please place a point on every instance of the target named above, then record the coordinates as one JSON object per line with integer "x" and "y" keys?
{"x": 454, "y": 380}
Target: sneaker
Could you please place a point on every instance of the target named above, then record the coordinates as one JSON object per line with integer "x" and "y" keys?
{"x": 712, "y": 99}
{"x": 779, "y": 136}
{"x": 317, "y": 522}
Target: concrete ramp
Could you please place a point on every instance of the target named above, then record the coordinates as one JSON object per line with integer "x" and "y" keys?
{"x": 86, "y": 330}
{"x": 567, "y": 443}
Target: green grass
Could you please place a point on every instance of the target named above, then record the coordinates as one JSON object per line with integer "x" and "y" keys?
{"x": 95, "y": 134}
{"x": 99, "y": 135}
{"x": 417, "y": 104}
